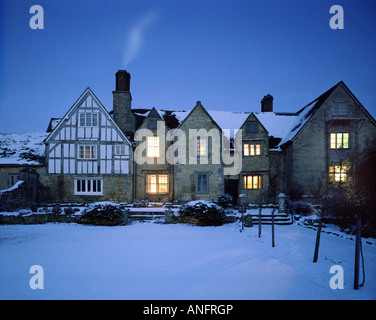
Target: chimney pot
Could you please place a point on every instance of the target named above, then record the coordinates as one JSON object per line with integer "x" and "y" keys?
{"x": 267, "y": 103}
{"x": 123, "y": 80}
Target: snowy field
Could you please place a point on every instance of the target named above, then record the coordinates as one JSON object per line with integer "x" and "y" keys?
{"x": 161, "y": 261}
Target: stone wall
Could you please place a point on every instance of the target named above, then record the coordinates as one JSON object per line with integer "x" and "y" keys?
{"x": 185, "y": 174}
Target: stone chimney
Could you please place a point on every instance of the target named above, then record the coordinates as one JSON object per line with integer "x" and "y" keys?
{"x": 122, "y": 113}
{"x": 267, "y": 103}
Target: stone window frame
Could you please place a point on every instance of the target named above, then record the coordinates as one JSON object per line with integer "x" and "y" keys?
{"x": 197, "y": 185}
{"x": 157, "y": 183}
{"x": 337, "y": 172}
{"x": 256, "y": 151}
{"x": 245, "y": 181}
{"x": 333, "y": 142}
{"x": 88, "y": 186}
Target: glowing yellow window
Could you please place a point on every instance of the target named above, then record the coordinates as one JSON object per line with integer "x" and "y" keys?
{"x": 339, "y": 140}
{"x": 338, "y": 173}
{"x": 201, "y": 147}
{"x": 153, "y": 147}
{"x": 157, "y": 183}
{"x": 252, "y": 181}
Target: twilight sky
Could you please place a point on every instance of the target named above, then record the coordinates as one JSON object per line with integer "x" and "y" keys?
{"x": 227, "y": 54}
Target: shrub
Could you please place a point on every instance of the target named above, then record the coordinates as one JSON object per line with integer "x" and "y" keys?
{"x": 202, "y": 213}
{"x": 301, "y": 207}
{"x": 224, "y": 200}
{"x": 108, "y": 214}
{"x": 70, "y": 210}
{"x": 56, "y": 210}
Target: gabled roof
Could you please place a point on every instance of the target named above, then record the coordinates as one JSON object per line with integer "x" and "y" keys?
{"x": 306, "y": 113}
{"x": 67, "y": 115}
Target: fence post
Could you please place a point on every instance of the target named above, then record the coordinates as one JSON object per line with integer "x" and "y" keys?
{"x": 273, "y": 243}
{"x": 358, "y": 232}
{"x": 259, "y": 230}
{"x": 316, "y": 254}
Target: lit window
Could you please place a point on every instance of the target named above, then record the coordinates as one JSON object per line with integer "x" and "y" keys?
{"x": 87, "y": 152}
{"x": 338, "y": 173}
{"x": 252, "y": 181}
{"x": 251, "y": 149}
{"x": 88, "y": 186}
{"x": 339, "y": 141}
{"x": 157, "y": 183}
{"x": 88, "y": 119}
{"x": 153, "y": 147}
{"x": 202, "y": 147}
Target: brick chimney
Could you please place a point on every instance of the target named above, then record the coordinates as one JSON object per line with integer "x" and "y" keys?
{"x": 267, "y": 103}
{"x": 122, "y": 113}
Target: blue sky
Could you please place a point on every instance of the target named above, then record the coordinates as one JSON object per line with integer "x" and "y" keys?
{"x": 227, "y": 54}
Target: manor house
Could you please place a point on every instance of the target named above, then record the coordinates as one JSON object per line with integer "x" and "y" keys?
{"x": 90, "y": 153}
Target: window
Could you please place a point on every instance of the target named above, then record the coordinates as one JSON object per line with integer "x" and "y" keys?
{"x": 340, "y": 109}
{"x": 120, "y": 150}
{"x": 202, "y": 182}
{"x": 157, "y": 183}
{"x": 251, "y": 149}
{"x": 338, "y": 173}
{"x": 152, "y": 147}
{"x": 252, "y": 181}
{"x": 202, "y": 149}
{"x": 88, "y": 186}
{"x": 152, "y": 124}
{"x": 252, "y": 127}
{"x": 88, "y": 119}
{"x": 87, "y": 152}
{"x": 339, "y": 141}
{"x": 13, "y": 178}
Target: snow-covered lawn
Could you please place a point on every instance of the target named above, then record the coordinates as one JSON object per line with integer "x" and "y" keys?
{"x": 160, "y": 261}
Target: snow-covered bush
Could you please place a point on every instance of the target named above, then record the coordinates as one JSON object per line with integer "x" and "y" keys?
{"x": 301, "y": 207}
{"x": 108, "y": 214}
{"x": 203, "y": 213}
{"x": 224, "y": 200}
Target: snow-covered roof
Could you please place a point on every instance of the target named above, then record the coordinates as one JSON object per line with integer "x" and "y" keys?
{"x": 22, "y": 148}
{"x": 277, "y": 124}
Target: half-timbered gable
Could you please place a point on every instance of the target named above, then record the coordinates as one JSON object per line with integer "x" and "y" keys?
{"x": 85, "y": 146}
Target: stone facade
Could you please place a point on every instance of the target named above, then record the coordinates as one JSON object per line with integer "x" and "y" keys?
{"x": 200, "y": 177}
{"x": 185, "y": 162}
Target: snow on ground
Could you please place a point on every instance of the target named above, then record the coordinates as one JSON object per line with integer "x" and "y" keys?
{"x": 165, "y": 261}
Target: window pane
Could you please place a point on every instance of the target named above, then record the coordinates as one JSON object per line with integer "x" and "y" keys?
{"x": 246, "y": 149}
{"x": 152, "y": 183}
{"x": 252, "y": 149}
{"x": 78, "y": 185}
{"x": 339, "y": 140}
{"x": 201, "y": 147}
{"x": 153, "y": 147}
{"x": 163, "y": 183}
{"x": 82, "y": 119}
{"x": 258, "y": 149}
{"x": 332, "y": 141}
{"x": 88, "y": 119}
{"x": 99, "y": 185}
{"x": 95, "y": 120}
{"x": 345, "y": 140}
